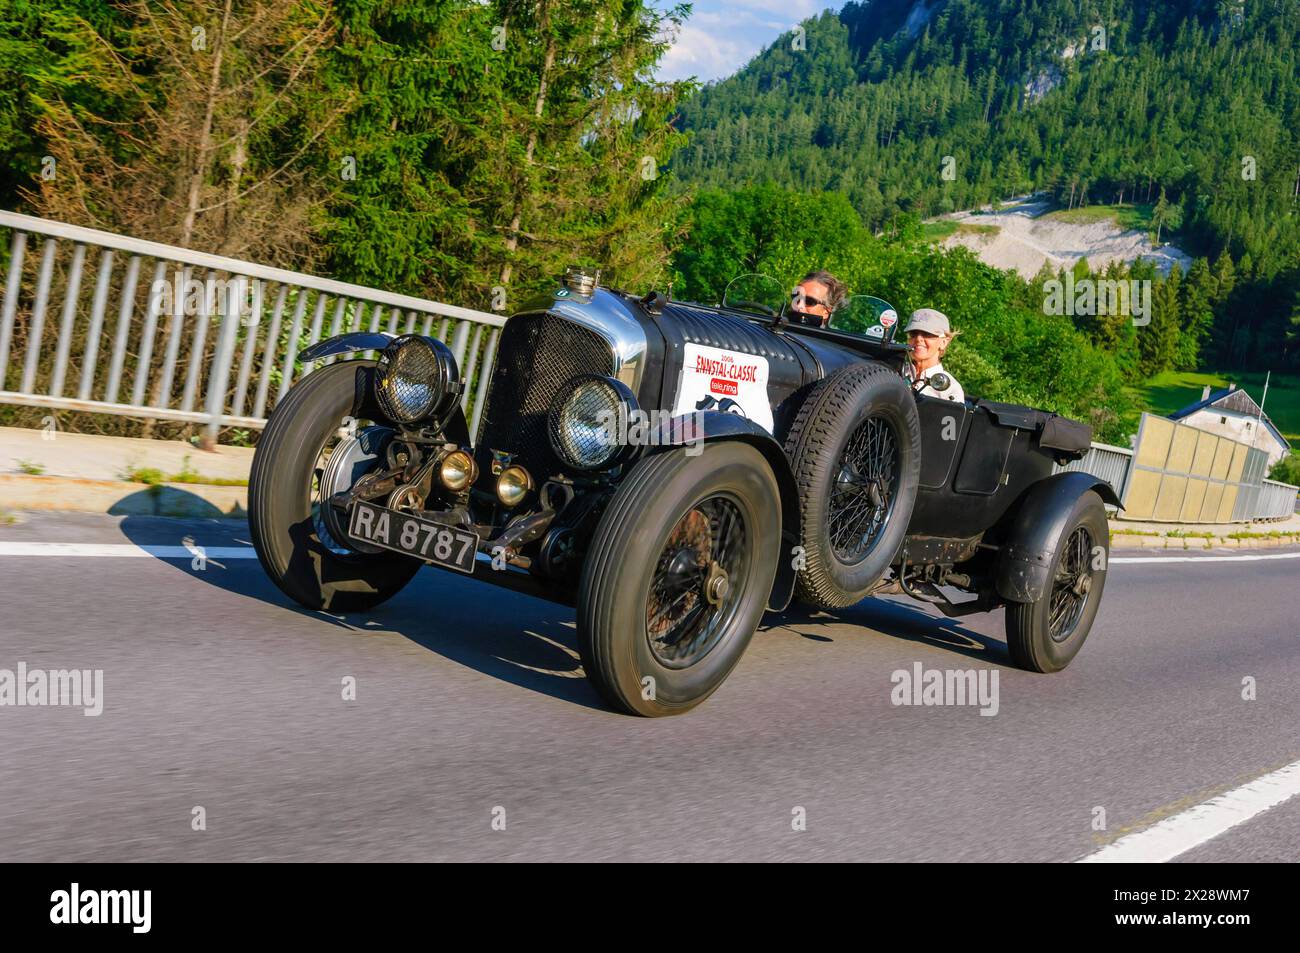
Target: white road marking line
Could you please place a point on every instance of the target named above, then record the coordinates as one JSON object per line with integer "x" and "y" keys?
{"x": 1193, "y": 827}
{"x": 1200, "y": 559}
{"x": 126, "y": 549}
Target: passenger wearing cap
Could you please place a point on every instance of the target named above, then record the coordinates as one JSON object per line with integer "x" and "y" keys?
{"x": 929, "y": 335}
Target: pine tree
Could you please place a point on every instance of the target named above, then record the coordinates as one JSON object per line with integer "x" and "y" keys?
{"x": 1158, "y": 342}
{"x": 1166, "y": 214}
{"x": 502, "y": 142}
{"x": 199, "y": 129}
{"x": 588, "y": 139}
{"x": 1197, "y": 307}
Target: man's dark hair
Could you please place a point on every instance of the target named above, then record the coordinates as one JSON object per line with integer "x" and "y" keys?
{"x": 835, "y": 290}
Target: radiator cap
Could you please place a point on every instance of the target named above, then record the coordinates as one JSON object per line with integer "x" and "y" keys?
{"x": 581, "y": 280}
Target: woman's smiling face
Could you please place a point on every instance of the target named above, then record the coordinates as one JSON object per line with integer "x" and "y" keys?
{"x": 926, "y": 348}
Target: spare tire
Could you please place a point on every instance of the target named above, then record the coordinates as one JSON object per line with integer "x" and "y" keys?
{"x": 855, "y": 447}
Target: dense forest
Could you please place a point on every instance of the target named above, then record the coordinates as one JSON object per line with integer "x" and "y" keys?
{"x": 444, "y": 149}
{"x": 1094, "y": 102}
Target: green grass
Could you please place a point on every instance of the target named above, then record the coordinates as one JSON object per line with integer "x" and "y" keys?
{"x": 938, "y": 231}
{"x": 30, "y": 467}
{"x": 1125, "y": 217}
{"x": 1173, "y": 390}
{"x": 188, "y": 474}
{"x": 188, "y": 477}
{"x": 155, "y": 477}
{"x": 150, "y": 475}
{"x": 1136, "y": 216}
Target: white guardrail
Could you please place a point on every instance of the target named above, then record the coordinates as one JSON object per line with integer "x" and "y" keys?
{"x": 1275, "y": 501}
{"x": 1112, "y": 464}
{"x": 188, "y": 354}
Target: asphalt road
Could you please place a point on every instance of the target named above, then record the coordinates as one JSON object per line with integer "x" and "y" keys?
{"x": 470, "y": 704}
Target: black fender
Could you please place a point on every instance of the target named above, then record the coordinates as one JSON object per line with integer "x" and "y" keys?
{"x": 715, "y": 426}
{"x": 343, "y": 343}
{"x": 1026, "y": 555}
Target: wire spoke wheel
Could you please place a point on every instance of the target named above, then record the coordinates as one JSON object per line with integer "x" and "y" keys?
{"x": 677, "y": 576}
{"x": 1046, "y": 631}
{"x": 1071, "y": 585}
{"x": 865, "y": 488}
{"x": 693, "y": 593}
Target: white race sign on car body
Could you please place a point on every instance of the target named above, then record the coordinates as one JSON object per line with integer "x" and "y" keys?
{"x": 731, "y": 381}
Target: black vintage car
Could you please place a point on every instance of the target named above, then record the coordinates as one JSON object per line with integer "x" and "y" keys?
{"x": 673, "y": 470}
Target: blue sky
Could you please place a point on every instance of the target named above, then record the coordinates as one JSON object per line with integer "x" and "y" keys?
{"x": 721, "y": 36}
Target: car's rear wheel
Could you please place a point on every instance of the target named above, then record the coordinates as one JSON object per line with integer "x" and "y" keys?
{"x": 1045, "y": 635}
{"x": 855, "y": 449}
{"x": 677, "y": 577}
{"x": 300, "y": 546}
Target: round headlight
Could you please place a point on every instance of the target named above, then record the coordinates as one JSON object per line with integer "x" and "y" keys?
{"x": 513, "y": 485}
{"x": 458, "y": 470}
{"x": 584, "y": 424}
{"x": 416, "y": 379}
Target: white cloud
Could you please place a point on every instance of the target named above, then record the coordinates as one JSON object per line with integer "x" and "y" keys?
{"x": 721, "y": 37}
{"x": 703, "y": 53}
{"x": 797, "y": 9}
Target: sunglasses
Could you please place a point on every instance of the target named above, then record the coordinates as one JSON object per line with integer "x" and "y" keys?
{"x": 797, "y": 296}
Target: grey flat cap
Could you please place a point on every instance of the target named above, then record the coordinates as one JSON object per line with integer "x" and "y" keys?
{"x": 928, "y": 320}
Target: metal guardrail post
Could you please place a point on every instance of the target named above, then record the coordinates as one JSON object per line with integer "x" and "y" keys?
{"x": 37, "y": 326}
{"x": 459, "y": 341}
{"x": 70, "y": 296}
{"x": 254, "y": 324}
{"x": 124, "y": 312}
{"x": 13, "y": 284}
{"x": 98, "y": 303}
{"x": 291, "y": 351}
{"x": 219, "y": 375}
{"x": 153, "y": 309}
{"x": 484, "y": 376}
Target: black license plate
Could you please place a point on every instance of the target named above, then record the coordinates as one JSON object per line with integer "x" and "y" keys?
{"x": 404, "y": 533}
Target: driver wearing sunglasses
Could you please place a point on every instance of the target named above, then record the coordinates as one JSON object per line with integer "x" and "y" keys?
{"x": 815, "y": 297}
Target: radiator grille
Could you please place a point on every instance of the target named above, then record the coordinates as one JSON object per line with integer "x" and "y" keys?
{"x": 537, "y": 354}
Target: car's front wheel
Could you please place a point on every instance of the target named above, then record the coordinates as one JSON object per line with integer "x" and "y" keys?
{"x": 1045, "y": 635}
{"x": 677, "y": 577}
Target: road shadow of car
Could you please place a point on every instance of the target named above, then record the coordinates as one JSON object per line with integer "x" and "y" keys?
{"x": 898, "y": 620}
{"x": 503, "y": 634}
{"x": 170, "y": 501}
{"x": 513, "y": 637}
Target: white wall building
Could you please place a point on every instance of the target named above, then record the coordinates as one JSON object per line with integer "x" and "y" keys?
{"x": 1231, "y": 412}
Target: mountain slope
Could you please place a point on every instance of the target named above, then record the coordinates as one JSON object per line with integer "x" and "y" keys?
{"x": 1020, "y": 97}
